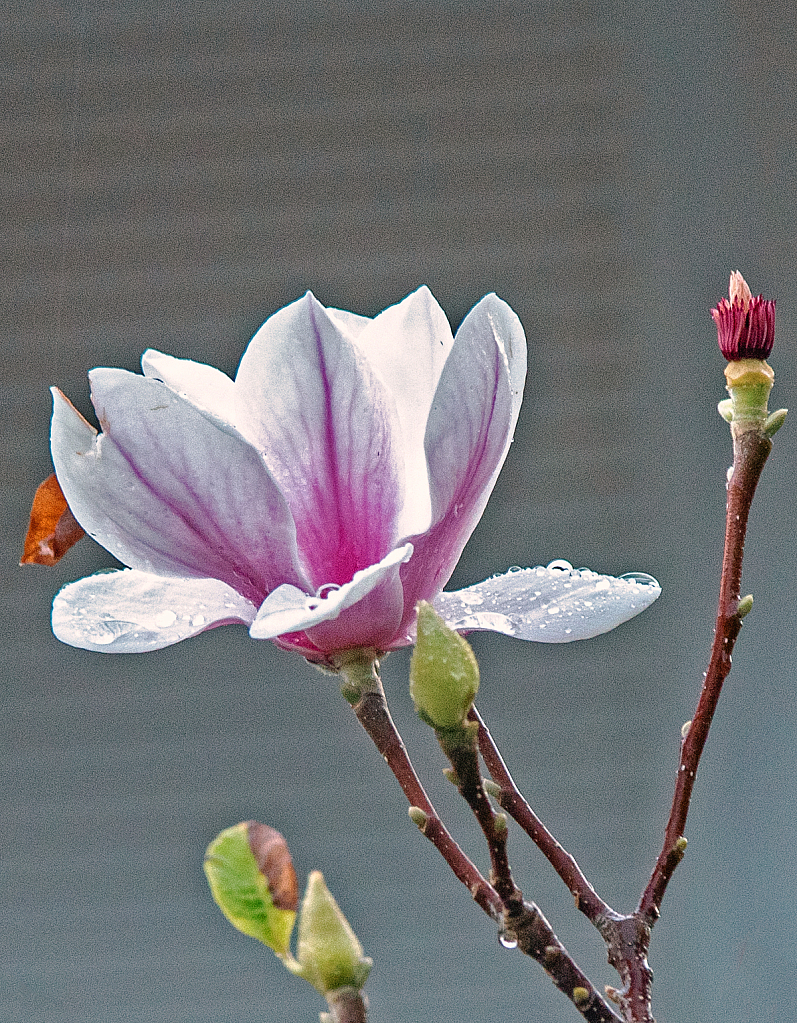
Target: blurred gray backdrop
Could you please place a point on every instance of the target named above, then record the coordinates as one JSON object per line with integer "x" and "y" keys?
{"x": 174, "y": 173}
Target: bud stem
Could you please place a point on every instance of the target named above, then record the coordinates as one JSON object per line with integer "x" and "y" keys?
{"x": 751, "y": 447}
{"x": 346, "y": 1005}
{"x": 362, "y": 688}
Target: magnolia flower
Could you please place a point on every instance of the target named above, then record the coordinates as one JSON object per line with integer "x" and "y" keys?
{"x": 318, "y": 496}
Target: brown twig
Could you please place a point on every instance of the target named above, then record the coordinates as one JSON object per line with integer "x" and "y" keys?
{"x": 509, "y": 798}
{"x": 364, "y": 692}
{"x": 751, "y": 450}
{"x": 535, "y": 937}
{"x": 526, "y": 923}
{"x": 460, "y": 745}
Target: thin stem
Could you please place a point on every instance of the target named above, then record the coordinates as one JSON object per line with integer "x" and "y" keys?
{"x": 365, "y": 693}
{"x": 750, "y": 451}
{"x": 346, "y": 1005}
{"x": 460, "y": 746}
{"x": 536, "y": 938}
{"x": 510, "y": 799}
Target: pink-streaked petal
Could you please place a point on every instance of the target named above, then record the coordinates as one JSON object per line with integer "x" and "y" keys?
{"x": 470, "y": 428}
{"x": 408, "y": 345}
{"x": 327, "y": 428}
{"x": 167, "y": 491}
{"x": 556, "y": 604}
{"x": 289, "y": 609}
{"x": 130, "y": 612}
{"x": 204, "y": 386}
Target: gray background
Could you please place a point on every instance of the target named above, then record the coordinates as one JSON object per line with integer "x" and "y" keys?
{"x": 176, "y": 172}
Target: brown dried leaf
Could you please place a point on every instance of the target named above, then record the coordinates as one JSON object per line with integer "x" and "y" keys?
{"x": 53, "y": 529}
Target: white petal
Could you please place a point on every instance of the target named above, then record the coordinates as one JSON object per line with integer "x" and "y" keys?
{"x": 556, "y": 604}
{"x": 288, "y": 609}
{"x": 408, "y": 345}
{"x": 352, "y": 323}
{"x": 131, "y": 612}
{"x": 204, "y": 386}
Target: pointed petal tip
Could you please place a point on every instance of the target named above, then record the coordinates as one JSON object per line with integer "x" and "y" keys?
{"x": 552, "y": 604}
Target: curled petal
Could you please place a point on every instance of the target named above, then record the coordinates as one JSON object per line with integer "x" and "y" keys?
{"x": 131, "y": 612}
{"x": 288, "y": 609}
{"x": 556, "y": 604}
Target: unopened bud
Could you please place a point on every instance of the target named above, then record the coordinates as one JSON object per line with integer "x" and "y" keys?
{"x": 444, "y": 674}
{"x": 328, "y": 951}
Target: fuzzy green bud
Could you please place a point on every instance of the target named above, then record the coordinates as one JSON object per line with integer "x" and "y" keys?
{"x": 328, "y": 951}
{"x": 444, "y": 675}
{"x": 580, "y": 996}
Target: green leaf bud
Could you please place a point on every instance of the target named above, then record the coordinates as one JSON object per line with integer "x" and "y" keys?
{"x": 328, "y": 952}
{"x": 444, "y": 675}
{"x": 251, "y": 876}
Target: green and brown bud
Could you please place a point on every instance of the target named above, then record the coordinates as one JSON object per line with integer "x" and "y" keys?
{"x": 251, "y": 876}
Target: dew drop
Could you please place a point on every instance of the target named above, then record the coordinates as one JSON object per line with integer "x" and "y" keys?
{"x": 507, "y": 939}
{"x": 106, "y": 632}
{"x": 197, "y": 621}
{"x": 560, "y": 565}
{"x": 163, "y": 619}
{"x": 640, "y": 578}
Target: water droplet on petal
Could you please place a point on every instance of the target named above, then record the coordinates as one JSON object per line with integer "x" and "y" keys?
{"x": 507, "y": 939}
{"x": 640, "y": 578}
{"x": 106, "y": 632}
{"x": 560, "y": 565}
{"x": 197, "y": 621}
{"x": 163, "y": 619}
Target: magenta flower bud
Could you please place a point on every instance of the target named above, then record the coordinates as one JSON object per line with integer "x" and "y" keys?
{"x": 745, "y": 325}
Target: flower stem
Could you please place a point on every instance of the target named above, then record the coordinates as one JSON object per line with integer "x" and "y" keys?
{"x": 525, "y": 922}
{"x": 363, "y": 690}
{"x": 751, "y": 447}
{"x": 346, "y": 1005}
{"x": 509, "y": 798}
{"x": 536, "y": 938}
{"x": 460, "y": 745}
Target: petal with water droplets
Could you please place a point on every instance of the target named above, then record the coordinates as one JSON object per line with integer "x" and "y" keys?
{"x": 130, "y": 612}
{"x": 555, "y": 604}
